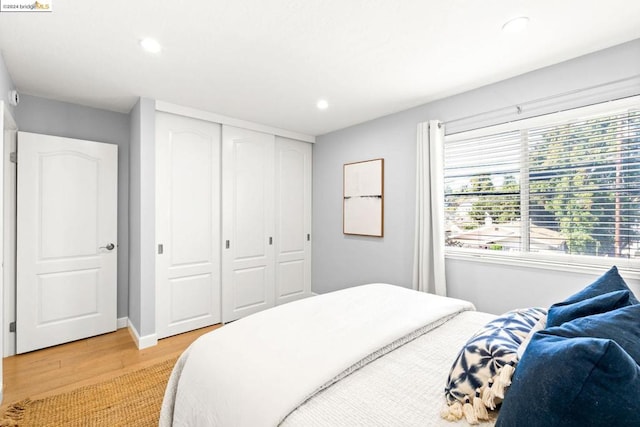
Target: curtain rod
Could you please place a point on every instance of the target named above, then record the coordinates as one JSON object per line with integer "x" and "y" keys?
{"x": 519, "y": 107}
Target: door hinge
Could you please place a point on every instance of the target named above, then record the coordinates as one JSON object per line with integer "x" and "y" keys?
{"x": 12, "y": 327}
{"x": 308, "y": 237}
{"x": 160, "y": 249}
{"x": 226, "y": 244}
{"x": 13, "y": 157}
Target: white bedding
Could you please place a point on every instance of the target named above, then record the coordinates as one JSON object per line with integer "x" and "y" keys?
{"x": 404, "y": 388}
{"x": 257, "y": 370}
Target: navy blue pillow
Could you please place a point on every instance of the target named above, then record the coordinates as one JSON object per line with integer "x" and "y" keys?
{"x": 573, "y": 382}
{"x": 621, "y": 325}
{"x": 567, "y": 311}
{"x": 608, "y": 282}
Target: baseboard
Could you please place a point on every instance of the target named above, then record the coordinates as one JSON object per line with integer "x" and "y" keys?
{"x": 144, "y": 341}
{"x": 123, "y": 322}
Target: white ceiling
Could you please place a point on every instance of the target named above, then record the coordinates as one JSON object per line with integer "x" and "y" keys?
{"x": 269, "y": 61}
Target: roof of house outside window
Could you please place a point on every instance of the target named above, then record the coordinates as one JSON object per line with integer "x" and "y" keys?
{"x": 508, "y": 236}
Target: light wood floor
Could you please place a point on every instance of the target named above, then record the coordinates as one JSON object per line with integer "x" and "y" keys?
{"x": 65, "y": 367}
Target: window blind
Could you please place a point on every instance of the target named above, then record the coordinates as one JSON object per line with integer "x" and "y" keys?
{"x": 569, "y": 187}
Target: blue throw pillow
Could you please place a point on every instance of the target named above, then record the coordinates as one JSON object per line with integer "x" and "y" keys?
{"x": 565, "y": 312}
{"x": 608, "y": 282}
{"x": 573, "y": 382}
{"x": 621, "y": 325}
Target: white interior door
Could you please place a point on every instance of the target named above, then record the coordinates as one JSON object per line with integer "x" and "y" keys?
{"x": 247, "y": 222}
{"x": 67, "y": 248}
{"x": 293, "y": 220}
{"x": 188, "y": 224}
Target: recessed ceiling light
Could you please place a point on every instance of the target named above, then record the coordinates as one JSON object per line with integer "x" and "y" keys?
{"x": 322, "y": 104}
{"x": 516, "y": 25}
{"x": 150, "y": 45}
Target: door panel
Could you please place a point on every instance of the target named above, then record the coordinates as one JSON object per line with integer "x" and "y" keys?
{"x": 68, "y": 232}
{"x": 187, "y": 224}
{"x": 249, "y": 290}
{"x": 291, "y": 281}
{"x": 247, "y": 218}
{"x": 252, "y": 201}
{"x": 54, "y": 289}
{"x": 293, "y": 224}
{"x": 191, "y": 297}
{"x": 67, "y": 248}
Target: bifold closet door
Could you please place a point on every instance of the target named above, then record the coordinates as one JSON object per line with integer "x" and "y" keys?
{"x": 293, "y": 219}
{"x": 247, "y": 222}
{"x": 187, "y": 224}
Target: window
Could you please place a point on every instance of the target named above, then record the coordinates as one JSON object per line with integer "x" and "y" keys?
{"x": 562, "y": 184}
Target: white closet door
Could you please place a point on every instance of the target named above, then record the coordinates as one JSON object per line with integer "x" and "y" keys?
{"x": 247, "y": 222}
{"x": 67, "y": 248}
{"x": 293, "y": 219}
{"x": 187, "y": 224}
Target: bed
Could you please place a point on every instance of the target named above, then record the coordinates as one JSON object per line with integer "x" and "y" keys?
{"x": 381, "y": 355}
{"x": 297, "y": 364}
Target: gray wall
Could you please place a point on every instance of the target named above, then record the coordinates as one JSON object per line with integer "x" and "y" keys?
{"x": 341, "y": 261}
{"x": 499, "y": 288}
{"x": 45, "y": 116}
{"x": 6, "y": 84}
{"x": 142, "y": 299}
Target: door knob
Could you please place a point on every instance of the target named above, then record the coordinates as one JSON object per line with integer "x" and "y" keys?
{"x": 109, "y": 247}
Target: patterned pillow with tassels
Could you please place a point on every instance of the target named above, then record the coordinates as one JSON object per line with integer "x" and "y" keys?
{"x": 483, "y": 369}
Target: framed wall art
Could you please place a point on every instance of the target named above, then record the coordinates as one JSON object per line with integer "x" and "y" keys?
{"x": 363, "y": 198}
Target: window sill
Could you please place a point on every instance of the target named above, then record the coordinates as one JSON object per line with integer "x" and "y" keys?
{"x": 629, "y": 268}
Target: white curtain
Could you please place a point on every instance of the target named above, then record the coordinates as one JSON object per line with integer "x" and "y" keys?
{"x": 428, "y": 261}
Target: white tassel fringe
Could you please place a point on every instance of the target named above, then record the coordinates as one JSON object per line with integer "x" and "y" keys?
{"x": 486, "y": 397}
{"x": 469, "y": 412}
{"x": 502, "y": 380}
{"x": 479, "y": 408}
{"x": 452, "y": 412}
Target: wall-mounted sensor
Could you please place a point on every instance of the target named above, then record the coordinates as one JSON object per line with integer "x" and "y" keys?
{"x": 14, "y": 97}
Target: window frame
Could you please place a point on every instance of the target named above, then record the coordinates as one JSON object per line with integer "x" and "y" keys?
{"x": 558, "y": 262}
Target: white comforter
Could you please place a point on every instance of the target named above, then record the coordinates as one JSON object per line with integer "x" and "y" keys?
{"x": 255, "y": 371}
{"x": 404, "y": 388}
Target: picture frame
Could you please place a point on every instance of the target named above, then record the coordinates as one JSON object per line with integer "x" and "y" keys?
{"x": 363, "y": 198}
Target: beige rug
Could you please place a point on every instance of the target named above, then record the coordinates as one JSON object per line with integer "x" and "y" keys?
{"x": 133, "y": 399}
